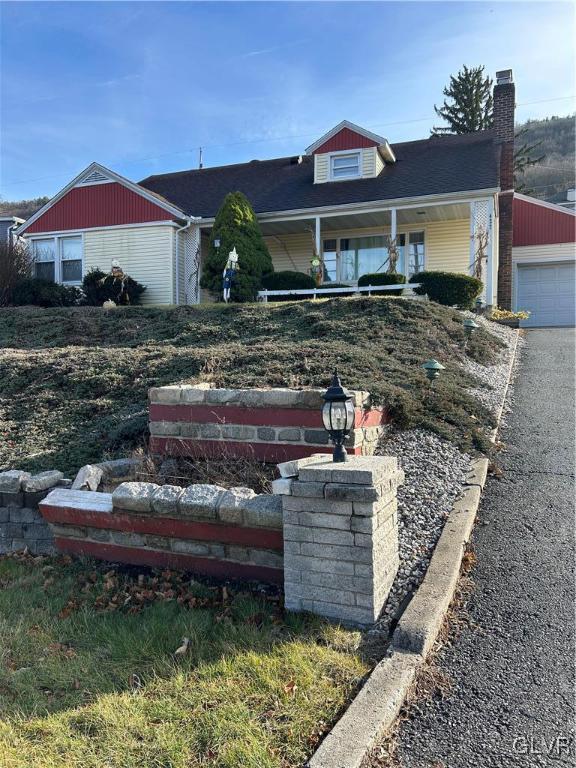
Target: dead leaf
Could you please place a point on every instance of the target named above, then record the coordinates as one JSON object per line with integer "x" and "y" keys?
{"x": 183, "y": 649}
{"x": 290, "y": 688}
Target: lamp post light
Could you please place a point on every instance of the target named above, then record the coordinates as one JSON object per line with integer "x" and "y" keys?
{"x": 479, "y": 306}
{"x": 338, "y": 416}
{"x": 470, "y": 326}
{"x": 432, "y": 368}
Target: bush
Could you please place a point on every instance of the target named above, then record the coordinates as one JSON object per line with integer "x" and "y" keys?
{"x": 236, "y": 226}
{"x": 288, "y": 281}
{"x": 383, "y": 278}
{"x": 44, "y": 293}
{"x": 101, "y": 286}
{"x": 448, "y": 288}
{"x": 15, "y": 265}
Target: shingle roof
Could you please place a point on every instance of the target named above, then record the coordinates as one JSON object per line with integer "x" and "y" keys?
{"x": 440, "y": 164}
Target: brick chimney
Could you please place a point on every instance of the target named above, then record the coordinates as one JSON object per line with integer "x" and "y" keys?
{"x": 504, "y": 105}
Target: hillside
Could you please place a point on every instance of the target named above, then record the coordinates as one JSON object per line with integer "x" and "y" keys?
{"x": 75, "y": 381}
{"x": 550, "y": 179}
{"x": 22, "y": 208}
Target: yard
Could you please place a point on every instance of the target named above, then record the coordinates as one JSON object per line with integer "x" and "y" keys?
{"x": 94, "y": 670}
{"x": 75, "y": 381}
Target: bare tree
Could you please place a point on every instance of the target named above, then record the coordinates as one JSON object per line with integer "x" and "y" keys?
{"x": 481, "y": 238}
{"x": 15, "y": 263}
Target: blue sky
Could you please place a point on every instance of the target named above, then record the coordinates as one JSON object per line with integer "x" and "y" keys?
{"x": 139, "y": 86}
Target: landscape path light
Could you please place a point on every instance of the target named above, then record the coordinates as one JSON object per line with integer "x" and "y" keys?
{"x": 432, "y": 368}
{"x": 470, "y": 326}
{"x": 338, "y": 416}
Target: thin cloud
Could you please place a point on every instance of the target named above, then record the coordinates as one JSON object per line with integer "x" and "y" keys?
{"x": 273, "y": 49}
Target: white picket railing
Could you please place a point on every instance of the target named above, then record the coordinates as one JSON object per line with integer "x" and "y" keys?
{"x": 316, "y": 292}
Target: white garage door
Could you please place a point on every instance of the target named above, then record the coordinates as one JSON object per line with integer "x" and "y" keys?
{"x": 548, "y": 292}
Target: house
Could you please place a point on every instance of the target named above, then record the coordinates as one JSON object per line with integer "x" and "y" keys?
{"x": 8, "y": 227}
{"x": 544, "y": 261}
{"x": 445, "y": 200}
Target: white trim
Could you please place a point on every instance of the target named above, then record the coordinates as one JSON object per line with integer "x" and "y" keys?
{"x": 136, "y": 188}
{"x": 327, "y": 291}
{"x": 352, "y": 127}
{"x": 57, "y": 232}
{"x": 544, "y": 203}
{"x": 92, "y": 183}
{"x": 344, "y": 153}
{"x": 58, "y": 254}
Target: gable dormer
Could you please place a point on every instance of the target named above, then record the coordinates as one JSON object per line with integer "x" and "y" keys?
{"x": 349, "y": 152}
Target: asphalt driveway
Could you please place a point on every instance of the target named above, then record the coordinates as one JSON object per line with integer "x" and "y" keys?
{"x": 512, "y": 703}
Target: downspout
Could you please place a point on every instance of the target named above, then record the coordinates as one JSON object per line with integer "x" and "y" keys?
{"x": 190, "y": 220}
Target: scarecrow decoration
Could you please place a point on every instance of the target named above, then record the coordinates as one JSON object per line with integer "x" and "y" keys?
{"x": 316, "y": 270}
{"x": 229, "y": 274}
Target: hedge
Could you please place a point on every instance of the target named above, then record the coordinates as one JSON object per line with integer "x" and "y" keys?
{"x": 288, "y": 281}
{"x": 448, "y": 288}
{"x": 44, "y": 293}
{"x": 383, "y": 278}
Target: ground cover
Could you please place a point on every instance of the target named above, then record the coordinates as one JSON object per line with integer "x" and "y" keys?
{"x": 74, "y": 381}
{"x": 93, "y": 671}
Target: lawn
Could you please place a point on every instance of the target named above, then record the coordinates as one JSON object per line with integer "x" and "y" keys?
{"x": 74, "y": 382}
{"x": 89, "y": 677}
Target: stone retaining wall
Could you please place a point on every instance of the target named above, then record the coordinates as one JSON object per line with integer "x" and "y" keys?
{"x": 271, "y": 425}
{"x": 231, "y": 533}
{"x": 21, "y": 524}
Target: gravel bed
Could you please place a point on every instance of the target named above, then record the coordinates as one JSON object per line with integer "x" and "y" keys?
{"x": 494, "y": 377}
{"x": 435, "y": 474}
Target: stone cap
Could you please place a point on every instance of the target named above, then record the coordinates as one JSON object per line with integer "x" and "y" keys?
{"x": 356, "y": 470}
{"x": 254, "y": 397}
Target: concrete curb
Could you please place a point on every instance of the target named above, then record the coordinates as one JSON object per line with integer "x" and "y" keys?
{"x": 376, "y": 706}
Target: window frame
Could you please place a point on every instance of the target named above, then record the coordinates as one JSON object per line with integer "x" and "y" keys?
{"x": 372, "y": 233}
{"x": 336, "y": 155}
{"x": 58, "y": 248}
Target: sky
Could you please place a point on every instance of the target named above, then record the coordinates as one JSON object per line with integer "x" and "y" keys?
{"x": 139, "y": 86}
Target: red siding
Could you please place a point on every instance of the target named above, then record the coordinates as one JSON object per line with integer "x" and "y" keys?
{"x": 98, "y": 205}
{"x": 346, "y": 139}
{"x": 536, "y": 224}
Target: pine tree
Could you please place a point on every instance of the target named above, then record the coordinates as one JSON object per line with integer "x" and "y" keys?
{"x": 472, "y": 105}
{"x": 236, "y": 226}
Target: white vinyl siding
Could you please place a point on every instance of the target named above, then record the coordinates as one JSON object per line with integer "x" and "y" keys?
{"x": 144, "y": 253}
{"x": 549, "y": 252}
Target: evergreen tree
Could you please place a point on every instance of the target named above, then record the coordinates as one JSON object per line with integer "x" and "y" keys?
{"x": 236, "y": 226}
{"x": 471, "y": 106}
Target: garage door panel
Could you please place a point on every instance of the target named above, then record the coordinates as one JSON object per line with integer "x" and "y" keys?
{"x": 548, "y": 292}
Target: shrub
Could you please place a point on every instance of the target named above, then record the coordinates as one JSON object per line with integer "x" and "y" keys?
{"x": 236, "y": 226}
{"x": 507, "y": 314}
{"x": 288, "y": 281}
{"x": 14, "y": 266}
{"x": 383, "y": 278}
{"x": 45, "y": 293}
{"x": 101, "y": 286}
{"x": 448, "y": 288}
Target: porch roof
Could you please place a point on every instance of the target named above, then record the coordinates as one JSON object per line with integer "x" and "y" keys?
{"x": 435, "y": 166}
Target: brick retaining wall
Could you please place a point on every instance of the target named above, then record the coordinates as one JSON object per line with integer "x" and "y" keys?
{"x": 271, "y": 425}
{"x": 203, "y": 528}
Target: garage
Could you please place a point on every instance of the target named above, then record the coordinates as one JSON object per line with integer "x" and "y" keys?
{"x": 544, "y": 262}
{"x": 548, "y": 292}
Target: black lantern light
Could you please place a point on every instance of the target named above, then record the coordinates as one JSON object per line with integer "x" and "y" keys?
{"x": 338, "y": 416}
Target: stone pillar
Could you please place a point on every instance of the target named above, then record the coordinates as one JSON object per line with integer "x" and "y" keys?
{"x": 340, "y": 535}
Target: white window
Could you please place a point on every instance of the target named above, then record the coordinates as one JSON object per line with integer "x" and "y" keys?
{"x": 345, "y": 166}
{"x": 58, "y": 259}
{"x": 415, "y": 253}
{"x": 346, "y": 259}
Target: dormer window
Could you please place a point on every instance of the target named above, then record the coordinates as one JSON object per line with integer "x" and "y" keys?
{"x": 345, "y": 166}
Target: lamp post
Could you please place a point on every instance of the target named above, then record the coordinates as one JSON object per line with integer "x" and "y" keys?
{"x": 338, "y": 416}
{"x": 432, "y": 369}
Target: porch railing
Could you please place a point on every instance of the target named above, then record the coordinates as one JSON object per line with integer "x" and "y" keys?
{"x": 317, "y": 292}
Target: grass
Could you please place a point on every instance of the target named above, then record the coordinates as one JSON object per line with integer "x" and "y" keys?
{"x": 89, "y": 677}
{"x": 75, "y": 381}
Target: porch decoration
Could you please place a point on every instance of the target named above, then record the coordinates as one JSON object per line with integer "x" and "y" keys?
{"x": 316, "y": 270}
{"x": 338, "y": 416}
{"x": 432, "y": 369}
{"x": 229, "y": 274}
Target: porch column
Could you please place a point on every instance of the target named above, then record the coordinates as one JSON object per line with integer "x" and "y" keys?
{"x": 317, "y": 236}
{"x": 490, "y": 261}
{"x": 472, "y": 258}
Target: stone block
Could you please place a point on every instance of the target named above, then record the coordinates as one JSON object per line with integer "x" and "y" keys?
{"x": 279, "y": 398}
{"x": 291, "y": 548}
{"x": 42, "y": 481}
{"x": 238, "y": 554}
{"x": 68, "y": 531}
{"x": 340, "y": 492}
{"x": 264, "y": 511}
{"x": 348, "y": 553}
{"x": 223, "y": 396}
{"x": 188, "y": 429}
{"x": 134, "y": 497}
{"x": 157, "y": 542}
{"x": 310, "y": 398}
{"x": 357, "y": 470}
{"x": 335, "y": 581}
{"x": 195, "y": 394}
{"x": 291, "y": 468}
{"x": 316, "y": 437}
{"x": 364, "y": 524}
{"x": 42, "y": 547}
{"x": 13, "y": 480}
{"x": 350, "y": 614}
{"x": 328, "y": 536}
{"x": 165, "y": 428}
{"x": 238, "y": 432}
{"x": 266, "y": 434}
{"x": 12, "y": 499}
{"x": 217, "y": 550}
{"x": 325, "y": 594}
{"x": 292, "y": 603}
{"x": 37, "y": 531}
{"x": 325, "y": 506}
{"x": 98, "y": 534}
{"x": 165, "y": 395}
{"x": 165, "y": 500}
{"x": 114, "y": 469}
{"x": 282, "y": 487}
{"x": 231, "y": 504}
{"x": 289, "y": 434}
{"x": 19, "y": 545}
{"x": 200, "y": 501}
{"x": 31, "y": 500}
{"x": 210, "y": 431}
{"x": 4, "y": 514}
{"x": 309, "y": 490}
{"x": 320, "y": 565}
{"x": 88, "y": 478}
{"x": 190, "y": 547}
{"x": 24, "y": 515}
{"x": 322, "y": 520}
{"x": 266, "y": 558}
